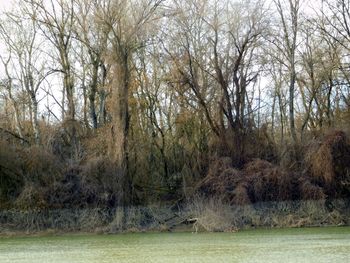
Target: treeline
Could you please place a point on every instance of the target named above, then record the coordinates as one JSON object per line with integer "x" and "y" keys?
{"x": 119, "y": 102}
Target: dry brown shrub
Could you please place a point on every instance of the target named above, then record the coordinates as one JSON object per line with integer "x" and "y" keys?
{"x": 222, "y": 146}
{"x": 258, "y": 181}
{"x": 98, "y": 143}
{"x": 227, "y": 180}
{"x": 65, "y": 140}
{"x": 218, "y": 165}
{"x": 262, "y": 181}
{"x": 32, "y": 196}
{"x": 267, "y": 182}
{"x": 221, "y": 178}
{"x": 254, "y": 143}
{"x": 99, "y": 181}
{"x": 41, "y": 165}
{"x": 241, "y": 196}
{"x": 328, "y": 163}
{"x": 47, "y": 132}
{"x": 224, "y": 182}
{"x": 256, "y": 166}
{"x": 11, "y": 176}
{"x": 66, "y": 192}
{"x": 310, "y": 191}
{"x": 321, "y": 159}
{"x": 212, "y": 214}
{"x": 285, "y": 184}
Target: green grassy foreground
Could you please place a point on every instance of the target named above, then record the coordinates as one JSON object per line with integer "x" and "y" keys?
{"x": 328, "y": 244}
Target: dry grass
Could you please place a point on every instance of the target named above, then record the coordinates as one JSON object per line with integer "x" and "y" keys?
{"x": 211, "y": 215}
{"x": 98, "y": 143}
{"x": 11, "y": 175}
{"x": 257, "y": 166}
{"x": 258, "y": 181}
{"x": 322, "y": 159}
{"x": 221, "y": 181}
{"x": 31, "y": 197}
{"x": 135, "y": 219}
{"x": 41, "y": 165}
{"x": 219, "y": 184}
{"x": 310, "y": 191}
{"x": 241, "y": 196}
{"x": 268, "y": 182}
{"x": 99, "y": 182}
{"x": 328, "y": 162}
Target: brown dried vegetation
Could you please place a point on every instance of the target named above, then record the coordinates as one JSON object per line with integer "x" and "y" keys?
{"x": 258, "y": 181}
{"x": 326, "y": 175}
{"x": 328, "y": 163}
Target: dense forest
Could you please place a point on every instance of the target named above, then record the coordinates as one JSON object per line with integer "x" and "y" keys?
{"x": 121, "y": 103}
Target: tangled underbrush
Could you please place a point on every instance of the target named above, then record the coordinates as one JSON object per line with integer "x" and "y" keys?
{"x": 33, "y": 177}
{"x": 259, "y": 180}
{"x": 326, "y": 175}
{"x": 328, "y": 164}
{"x": 11, "y": 177}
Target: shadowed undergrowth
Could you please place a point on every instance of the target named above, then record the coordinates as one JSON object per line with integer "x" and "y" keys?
{"x": 40, "y": 191}
{"x": 199, "y": 214}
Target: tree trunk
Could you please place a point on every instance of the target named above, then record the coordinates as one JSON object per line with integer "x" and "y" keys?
{"x": 34, "y": 115}
{"x": 291, "y": 102}
{"x": 69, "y": 86}
{"x": 329, "y": 98}
{"x": 63, "y": 111}
{"x": 17, "y": 119}
{"x": 102, "y": 108}
{"x": 282, "y": 114}
{"x": 92, "y": 96}
{"x": 16, "y": 111}
{"x": 120, "y": 126}
{"x": 85, "y": 103}
{"x": 273, "y": 116}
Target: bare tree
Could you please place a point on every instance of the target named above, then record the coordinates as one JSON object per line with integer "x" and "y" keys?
{"x": 94, "y": 40}
{"x": 126, "y": 25}
{"x": 320, "y": 62}
{"x": 56, "y": 20}
{"x": 334, "y": 21}
{"x": 9, "y": 86}
{"x": 289, "y": 17}
{"x": 216, "y": 61}
{"x": 20, "y": 34}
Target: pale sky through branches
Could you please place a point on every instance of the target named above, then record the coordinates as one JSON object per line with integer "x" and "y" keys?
{"x": 308, "y": 7}
{"x": 5, "y": 5}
